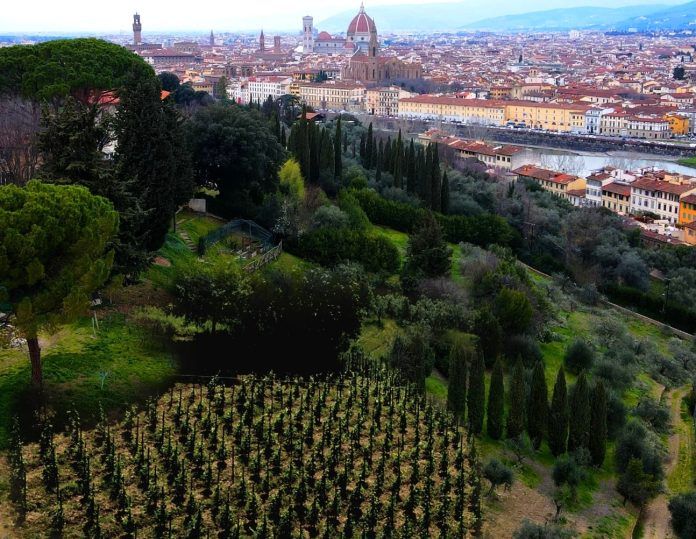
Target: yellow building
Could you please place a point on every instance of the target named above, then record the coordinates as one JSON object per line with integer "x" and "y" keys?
{"x": 617, "y": 197}
{"x": 454, "y": 109}
{"x": 678, "y": 124}
{"x": 558, "y": 183}
{"x": 561, "y": 117}
{"x": 687, "y": 210}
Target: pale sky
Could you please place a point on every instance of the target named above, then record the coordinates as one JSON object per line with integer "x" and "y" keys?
{"x": 56, "y": 16}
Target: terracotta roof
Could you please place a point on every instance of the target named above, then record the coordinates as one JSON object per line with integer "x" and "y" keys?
{"x": 618, "y": 189}
{"x": 361, "y": 23}
{"x": 689, "y": 199}
{"x": 662, "y": 186}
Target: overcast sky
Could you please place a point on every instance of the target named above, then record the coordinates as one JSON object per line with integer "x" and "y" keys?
{"x": 55, "y": 16}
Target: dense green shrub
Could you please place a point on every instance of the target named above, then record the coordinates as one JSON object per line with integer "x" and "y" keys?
{"x": 683, "y": 510}
{"x": 579, "y": 356}
{"x": 483, "y": 230}
{"x": 331, "y": 246}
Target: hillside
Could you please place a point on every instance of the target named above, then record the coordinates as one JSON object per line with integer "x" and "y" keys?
{"x": 679, "y": 17}
{"x": 562, "y": 19}
{"x": 457, "y": 15}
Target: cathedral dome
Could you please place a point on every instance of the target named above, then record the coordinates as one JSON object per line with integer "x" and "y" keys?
{"x": 361, "y": 23}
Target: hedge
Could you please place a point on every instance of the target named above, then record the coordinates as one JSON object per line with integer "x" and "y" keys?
{"x": 482, "y": 230}
{"x": 673, "y": 314}
{"x": 330, "y": 246}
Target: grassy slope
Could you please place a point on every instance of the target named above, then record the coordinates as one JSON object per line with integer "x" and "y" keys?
{"x": 75, "y": 361}
{"x": 616, "y": 520}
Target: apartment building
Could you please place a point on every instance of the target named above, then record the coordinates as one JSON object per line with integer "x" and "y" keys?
{"x": 453, "y": 109}
{"x": 660, "y": 197}
{"x": 502, "y": 157}
{"x": 385, "y": 101}
{"x": 617, "y": 197}
{"x": 259, "y": 88}
{"x": 558, "y": 183}
{"x": 619, "y": 124}
{"x": 687, "y": 209}
{"x": 560, "y": 117}
{"x": 333, "y": 96}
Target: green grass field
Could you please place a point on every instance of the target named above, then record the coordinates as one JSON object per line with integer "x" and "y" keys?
{"x": 120, "y": 365}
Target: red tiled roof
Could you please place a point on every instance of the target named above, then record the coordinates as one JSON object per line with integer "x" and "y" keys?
{"x": 662, "y": 186}
{"x": 618, "y": 189}
{"x": 689, "y": 199}
{"x": 361, "y": 23}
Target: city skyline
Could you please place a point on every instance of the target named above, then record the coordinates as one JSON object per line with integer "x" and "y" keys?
{"x": 43, "y": 17}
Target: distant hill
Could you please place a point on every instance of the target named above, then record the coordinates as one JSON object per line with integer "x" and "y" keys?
{"x": 458, "y": 15}
{"x": 564, "y": 19}
{"x": 681, "y": 17}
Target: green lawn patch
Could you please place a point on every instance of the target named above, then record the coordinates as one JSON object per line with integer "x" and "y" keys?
{"x": 121, "y": 365}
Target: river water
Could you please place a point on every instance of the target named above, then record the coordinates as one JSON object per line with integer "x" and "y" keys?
{"x": 583, "y": 163}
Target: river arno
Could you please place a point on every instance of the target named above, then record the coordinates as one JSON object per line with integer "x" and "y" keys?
{"x": 583, "y": 163}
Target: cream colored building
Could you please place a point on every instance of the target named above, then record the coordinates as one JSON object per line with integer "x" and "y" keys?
{"x": 469, "y": 111}
{"x": 385, "y": 101}
{"x": 619, "y": 124}
{"x": 333, "y": 96}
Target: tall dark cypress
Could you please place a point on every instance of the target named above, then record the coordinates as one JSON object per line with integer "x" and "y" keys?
{"x": 379, "y": 162}
{"x": 579, "y": 424}
{"x": 517, "y": 398}
{"x": 496, "y": 402}
{"x": 150, "y": 139}
{"x": 411, "y": 168}
{"x": 426, "y": 174}
{"x": 362, "y": 150}
{"x": 435, "y": 182}
{"x": 369, "y": 163}
{"x": 476, "y": 397}
{"x": 456, "y": 388}
{"x": 398, "y": 163}
{"x": 338, "y": 155}
{"x": 598, "y": 424}
{"x": 314, "y": 152}
{"x": 558, "y": 416}
{"x": 445, "y": 195}
{"x": 538, "y": 409}
{"x": 388, "y": 156}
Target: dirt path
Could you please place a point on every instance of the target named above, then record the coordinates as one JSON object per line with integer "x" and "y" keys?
{"x": 656, "y": 517}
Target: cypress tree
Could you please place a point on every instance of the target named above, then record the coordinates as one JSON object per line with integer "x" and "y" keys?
{"x": 515, "y": 420}
{"x": 558, "y": 416}
{"x": 456, "y": 388}
{"x": 368, "y": 148}
{"x": 426, "y": 176}
{"x": 598, "y": 424}
{"x": 496, "y": 402}
{"x": 445, "y": 194}
{"x": 398, "y": 163}
{"x": 314, "y": 150}
{"x": 436, "y": 179}
{"x": 362, "y": 150}
{"x": 411, "y": 168}
{"x": 338, "y": 156}
{"x": 579, "y": 424}
{"x": 388, "y": 156}
{"x": 476, "y": 397}
{"x": 283, "y": 137}
{"x": 538, "y": 409}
